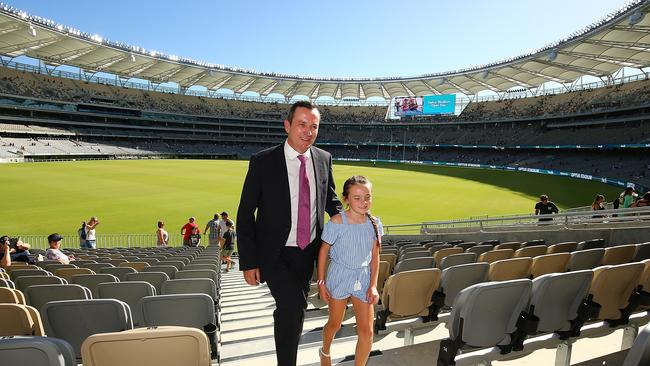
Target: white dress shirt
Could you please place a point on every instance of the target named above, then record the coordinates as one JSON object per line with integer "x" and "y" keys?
{"x": 293, "y": 172}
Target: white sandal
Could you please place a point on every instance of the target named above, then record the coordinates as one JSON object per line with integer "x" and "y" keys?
{"x": 323, "y": 354}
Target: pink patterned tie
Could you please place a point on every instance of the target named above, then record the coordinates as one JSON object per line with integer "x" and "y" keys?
{"x": 304, "y": 206}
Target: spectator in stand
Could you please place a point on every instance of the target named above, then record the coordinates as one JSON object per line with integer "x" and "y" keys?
{"x": 228, "y": 245}
{"x": 195, "y": 237}
{"x": 6, "y": 257}
{"x": 82, "y": 235}
{"x": 162, "y": 237}
{"x": 223, "y": 227}
{"x": 91, "y": 239}
{"x": 187, "y": 230}
{"x": 213, "y": 226}
{"x": 18, "y": 251}
{"x": 627, "y": 198}
{"x": 643, "y": 202}
{"x": 545, "y": 207}
{"x": 598, "y": 205}
{"x": 55, "y": 253}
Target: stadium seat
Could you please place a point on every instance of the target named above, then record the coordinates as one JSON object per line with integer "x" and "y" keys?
{"x": 439, "y": 255}
{"x": 151, "y": 261}
{"x": 455, "y": 241}
{"x": 549, "y": 263}
{"x": 76, "y": 320}
{"x": 20, "y": 266}
{"x": 514, "y": 245}
{"x": 91, "y": 281}
{"x": 414, "y": 254}
{"x": 176, "y": 263}
{"x": 202, "y": 260}
{"x": 455, "y": 279}
{"x": 612, "y": 287}
{"x": 495, "y": 255}
{"x": 591, "y": 244}
{"x": 36, "y": 351}
{"x": 27, "y": 272}
{"x": 642, "y": 252}
{"x": 382, "y": 276}
{"x": 155, "y": 279}
{"x": 198, "y": 312}
{"x": 52, "y": 267}
{"x": 434, "y": 248}
{"x": 465, "y": 245}
{"x": 169, "y": 270}
{"x": 191, "y": 285}
{"x": 388, "y": 250}
{"x": 480, "y": 249}
{"x": 491, "y": 242}
{"x": 4, "y": 282}
{"x": 81, "y": 262}
{"x": 116, "y": 262}
{"x": 95, "y": 267}
{"x": 11, "y": 296}
{"x": 390, "y": 258}
{"x": 639, "y": 354}
{"x": 510, "y": 269}
{"x": 119, "y": 272}
{"x": 39, "y": 295}
{"x": 618, "y": 254}
{"x": 198, "y": 273}
{"x": 530, "y": 251}
{"x": 413, "y": 264}
{"x": 132, "y": 258}
{"x": 67, "y": 273}
{"x": 406, "y": 295}
{"x": 193, "y": 266}
{"x": 484, "y": 315}
{"x": 533, "y": 243}
{"x": 586, "y": 259}
{"x": 20, "y": 320}
{"x": 565, "y": 247}
{"x": 22, "y": 283}
{"x": 130, "y": 292}
{"x": 456, "y": 259}
{"x": 138, "y": 266}
{"x": 160, "y": 346}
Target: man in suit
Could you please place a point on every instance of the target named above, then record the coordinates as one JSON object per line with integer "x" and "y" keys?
{"x": 291, "y": 187}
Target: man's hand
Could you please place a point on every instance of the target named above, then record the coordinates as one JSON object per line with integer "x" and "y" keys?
{"x": 252, "y": 276}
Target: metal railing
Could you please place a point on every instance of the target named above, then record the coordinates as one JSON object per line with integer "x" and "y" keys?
{"x": 516, "y": 221}
{"x": 106, "y": 240}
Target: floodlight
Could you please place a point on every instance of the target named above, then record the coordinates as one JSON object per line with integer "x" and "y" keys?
{"x": 636, "y": 17}
{"x": 32, "y": 30}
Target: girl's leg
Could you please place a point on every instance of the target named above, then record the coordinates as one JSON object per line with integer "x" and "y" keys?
{"x": 364, "y": 314}
{"x": 336, "y": 313}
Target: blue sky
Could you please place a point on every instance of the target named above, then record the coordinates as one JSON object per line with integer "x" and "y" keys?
{"x": 360, "y": 38}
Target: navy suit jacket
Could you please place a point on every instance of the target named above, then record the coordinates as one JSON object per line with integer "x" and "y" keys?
{"x": 264, "y": 214}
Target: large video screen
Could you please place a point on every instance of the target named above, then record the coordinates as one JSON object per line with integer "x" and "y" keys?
{"x": 426, "y": 105}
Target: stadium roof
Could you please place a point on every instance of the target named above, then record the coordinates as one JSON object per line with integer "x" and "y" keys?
{"x": 621, "y": 39}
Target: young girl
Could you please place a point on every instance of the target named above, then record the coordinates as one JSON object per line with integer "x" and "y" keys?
{"x": 352, "y": 241}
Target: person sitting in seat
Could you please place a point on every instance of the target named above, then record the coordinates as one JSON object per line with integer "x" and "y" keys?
{"x": 55, "y": 253}
{"x": 18, "y": 251}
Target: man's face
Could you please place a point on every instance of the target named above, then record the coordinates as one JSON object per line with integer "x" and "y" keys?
{"x": 302, "y": 131}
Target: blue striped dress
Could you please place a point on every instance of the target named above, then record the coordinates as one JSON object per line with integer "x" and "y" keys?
{"x": 350, "y": 255}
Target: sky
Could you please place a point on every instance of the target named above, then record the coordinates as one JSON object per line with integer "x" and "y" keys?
{"x": 360, "y": 38}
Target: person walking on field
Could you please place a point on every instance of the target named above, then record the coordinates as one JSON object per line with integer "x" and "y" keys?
{"x": 287, "y": 190}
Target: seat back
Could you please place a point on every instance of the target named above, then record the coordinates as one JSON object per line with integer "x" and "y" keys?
{"x": 169, "y": 270}
{"x": 531, "y": 251}
{"x": 480, "y": 249}
{"x": 496, "y": 255}
{"x": 465, "y": 246}
{"x": 20, "y": 320}
{"x": 591, "y": 244}
{"x": 639, "y": 353}
{"x": 408, "y": 294}
{"x": 22, "y": 283}
{"x": 119, "y": 272}
{"x": 14, "y": 274}
{"x": 95, "y": 267}
{"x": 52, "y": 267}
{"x": 456, "y": 259}
{"x": 612, "y": 287}
{"x": 130, "y": 292}
{"x": 67, "y": 273}
{"x": 488, "y": 312}
{"x": 642, "y": 252}
{"x": 556, "y": 298}
{"x": 91, "y": 281}
{"x": 414, "y": 254}
{"x": 39, "y": 295}
{"x": 549, "y": 263}
{"x": 384, "y": 272}
{"x": 172, "y": 262}
{"x": 76, "y": 320}
{"x": 442, "y": 253}
{"x": 565, "y": 247}
{"x": 198, "y": 273}
{"x": 533, "y": 243}
{"x": 160, "y": 346}
{"x": 586, "y": 259}
{"x": 457, "y": 278}
{"x": 209, "y": 266}
{"x": 618, "y": 254}
{"x": 514, "y": 245}
{"x": 413, "y": 264}
{"x": 6, "y": 282}
{"x": 390, "y": 258}
{"x": 434, "y": 248}
{"x": 161, "y": 310}
{"x": 138, "y": 266}
{"x": 37, "y": 351}
{"x": 191, "y": 286}
{"x": 155, "y": 279}
{"x": 510, "y": 269}
{"x": 11, "y": 296}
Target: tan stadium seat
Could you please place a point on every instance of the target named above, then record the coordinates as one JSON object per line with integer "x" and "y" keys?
{"x": 496, "y": 255}
{"x": 549, "y": 263}
{"x": 514, "y": 245}
{"x": 618, "y": 254}
{"x": 612, "y": 287}
{"x": 407, "y": 294}
{"x": 565, "y": 247}
{"x": 138, "y": 266}
{"x": 67, "y": 273}
{"x": 20, "y": 320}
{"x": 434, "y": 248}
{"x": 20, "y": 265}
{"x": 384, "y": 272}
{"x": 116, "y": 256}
{"x": 439, "y": 255}
{"x": 510, "y": 269}
{"x": 11, "y": 296}
{"x": 531, "y": 252}
{"x": 390, "y": 258}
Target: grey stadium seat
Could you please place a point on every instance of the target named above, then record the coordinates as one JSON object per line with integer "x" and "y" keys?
{"x": 167, "y": 269}
{"x": 27, "y": 272}
{"x": 456, "y": 259}
{"x": 586, "y": 259}
{"x": 191, "y": 285}
{"x": 639, "y": 354}
{"x": 466, "y": 245}
{"x": 413, "y": 264}
{"x": 457, "y": 278}
{"x": 642, "y": 252}
{"x": 96, "y": 267}
{"x": 198, "y": 273}
{"x": 39, "y": 295}
{"x": 36, "y": 351}
{"x": 130, "y": 292}
{"x": 480, "y": 249}
{"x": 591, "y": 244}
{"x": 22, "y": 283}
{"x": 119, "y": 272}
{"x": 156, "y": 279}
{"x": 414, "y": 254}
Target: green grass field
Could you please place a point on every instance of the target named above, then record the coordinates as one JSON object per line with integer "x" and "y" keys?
{"x": 131, "y": 196}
